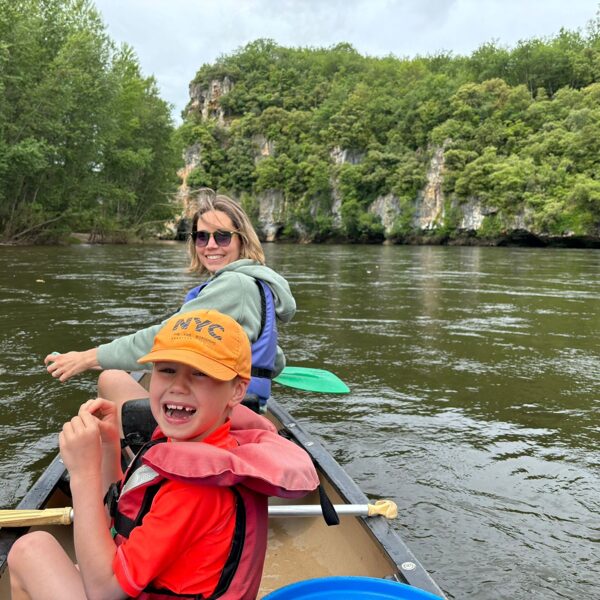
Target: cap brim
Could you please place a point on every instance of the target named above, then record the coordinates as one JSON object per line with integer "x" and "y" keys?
{"x": 193, "y": 359}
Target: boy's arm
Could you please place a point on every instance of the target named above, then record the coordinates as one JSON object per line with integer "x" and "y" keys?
{"x": 81, "y": 450}
{"x": 106, "y": 414}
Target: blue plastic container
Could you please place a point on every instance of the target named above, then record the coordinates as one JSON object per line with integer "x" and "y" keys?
{"x": 349, "y": 588}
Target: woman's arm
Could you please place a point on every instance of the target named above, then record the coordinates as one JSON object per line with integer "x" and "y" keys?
{"x": 233, "y": 294}
{"x": 63, "y": 366}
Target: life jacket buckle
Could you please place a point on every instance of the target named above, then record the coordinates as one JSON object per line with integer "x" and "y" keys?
{"x": 111, "y": 498}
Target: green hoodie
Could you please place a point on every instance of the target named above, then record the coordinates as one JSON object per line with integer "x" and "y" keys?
{"x": 234, "y": 292}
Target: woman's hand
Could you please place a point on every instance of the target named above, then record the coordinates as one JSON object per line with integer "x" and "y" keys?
{"x": 63, "y": 366}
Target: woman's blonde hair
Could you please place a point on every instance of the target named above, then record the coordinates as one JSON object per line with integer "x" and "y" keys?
{"x": 250, "y": 247}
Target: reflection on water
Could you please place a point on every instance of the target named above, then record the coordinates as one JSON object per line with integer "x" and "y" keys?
{"x": 474, "y": 374}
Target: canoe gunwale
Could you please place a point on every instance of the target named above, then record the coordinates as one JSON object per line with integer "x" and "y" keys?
{"x": 380, "y": 528}
{"x": 36, "y": 498}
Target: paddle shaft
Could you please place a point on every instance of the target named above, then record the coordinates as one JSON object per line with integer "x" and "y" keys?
{"x": 314, "y": 510}
{"x": 64, "y": 516}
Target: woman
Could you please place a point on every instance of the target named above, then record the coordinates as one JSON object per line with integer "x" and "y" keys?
{"x": 224, "y": 246}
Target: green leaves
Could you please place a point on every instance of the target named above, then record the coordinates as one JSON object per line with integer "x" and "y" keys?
{"x": 86, "y": 140}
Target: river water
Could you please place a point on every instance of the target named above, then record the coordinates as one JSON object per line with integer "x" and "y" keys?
{"x": 474, "y": 376}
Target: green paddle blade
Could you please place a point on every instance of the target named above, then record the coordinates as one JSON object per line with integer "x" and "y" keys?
{"x": 312, "y": 380}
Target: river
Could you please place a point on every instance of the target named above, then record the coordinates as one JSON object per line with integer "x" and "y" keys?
{"x": 474, "y": 376}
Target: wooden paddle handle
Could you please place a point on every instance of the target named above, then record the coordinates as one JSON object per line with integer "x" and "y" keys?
{"x": 27, "y": 518}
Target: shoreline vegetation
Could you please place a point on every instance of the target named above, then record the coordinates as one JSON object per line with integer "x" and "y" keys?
{"x": 320, "y": 145}
{"x": 521, "y": 239}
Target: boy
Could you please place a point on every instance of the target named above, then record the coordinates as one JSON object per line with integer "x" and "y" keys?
{"x": 190, "y": 515}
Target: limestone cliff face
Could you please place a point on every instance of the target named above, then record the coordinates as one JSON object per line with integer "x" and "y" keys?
{"x": 428, "y": 207}
{"x": 339, "y": 156}
{"x": 271, "y": 214}
{"x": 387, "y": 208}
{"x": 191, "y": 159}
{"x": 473, "y": 215}
{"x": 205, "y": 99}
{"x": 430, "y": 203}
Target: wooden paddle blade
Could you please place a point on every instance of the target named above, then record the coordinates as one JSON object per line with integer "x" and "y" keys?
{"x": 312, "y": 380}
{"x": 27, "y": 518}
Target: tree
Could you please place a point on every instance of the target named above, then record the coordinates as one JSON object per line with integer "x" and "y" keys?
{"x": 79, "y": 126}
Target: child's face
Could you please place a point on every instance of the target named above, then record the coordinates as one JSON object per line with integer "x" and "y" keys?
{"x": 189, "y": 405}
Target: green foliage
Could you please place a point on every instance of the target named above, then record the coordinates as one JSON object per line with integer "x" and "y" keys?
{"x": 86, "y": 143}
{"x": 84, "y": 137}
{"x": 360, "y": 226}
{"x": 403, "y": 223}
{"x": 519, "y": 129}
{"x": 451, "y": 222}
{"x": 491, "y": 227}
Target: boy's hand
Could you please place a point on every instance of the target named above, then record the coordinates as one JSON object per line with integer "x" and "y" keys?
{"x": 80, "y": 445}
{"x": 105, "y": 412}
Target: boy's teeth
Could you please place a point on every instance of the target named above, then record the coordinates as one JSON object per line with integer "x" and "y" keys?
{"x": 177, "y": 411}
{"x": 179, "y": 407}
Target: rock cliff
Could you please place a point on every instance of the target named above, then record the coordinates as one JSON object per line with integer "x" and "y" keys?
{"x": 431, "y": 211}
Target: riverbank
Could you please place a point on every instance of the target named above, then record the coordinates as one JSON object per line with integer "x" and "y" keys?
{"x": 517, "y": 239}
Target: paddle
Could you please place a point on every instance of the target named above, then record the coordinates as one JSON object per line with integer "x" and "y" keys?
{"x": 64, "y": 516}
{"x": 384, "y": 508}
{"x": 311, "y": 380}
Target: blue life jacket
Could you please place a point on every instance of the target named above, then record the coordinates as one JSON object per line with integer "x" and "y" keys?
{"x": 264, "y": 349}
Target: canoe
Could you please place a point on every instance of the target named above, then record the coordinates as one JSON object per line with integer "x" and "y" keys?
{"x": 299, "y": 547}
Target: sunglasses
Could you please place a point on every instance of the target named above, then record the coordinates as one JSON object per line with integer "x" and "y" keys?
{"x": 222, "y": 238}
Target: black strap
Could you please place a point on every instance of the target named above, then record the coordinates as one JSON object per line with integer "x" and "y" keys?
{"x": 329, "y": 513}
{"x": 263, "y": 308}
{"x": 112, "y": 497}
{"x": 260, "y": 372}
{"x": 124, "y": 525}
{"x": 237, "y": 547}
{"x": 232, "y": 562}
{"x": 327, "y": 509}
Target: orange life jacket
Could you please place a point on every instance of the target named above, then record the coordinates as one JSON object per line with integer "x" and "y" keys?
{"x": 263, "y": 464}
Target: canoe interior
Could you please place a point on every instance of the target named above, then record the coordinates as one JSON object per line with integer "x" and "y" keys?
{"x": 299, "y": 547}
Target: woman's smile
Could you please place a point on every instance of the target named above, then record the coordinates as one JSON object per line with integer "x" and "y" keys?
{"x": 212, "y": 256}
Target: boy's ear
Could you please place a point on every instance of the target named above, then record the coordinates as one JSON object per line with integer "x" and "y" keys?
{"x": 239, "y": 391}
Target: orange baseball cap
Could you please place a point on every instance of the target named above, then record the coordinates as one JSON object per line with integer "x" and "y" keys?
{"x": 206, "y": 340}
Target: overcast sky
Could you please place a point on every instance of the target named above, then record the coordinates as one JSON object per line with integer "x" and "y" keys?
{"x": 174, "y": 38}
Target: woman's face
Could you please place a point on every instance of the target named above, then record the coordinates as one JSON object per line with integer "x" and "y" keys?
{"x": 212, "y": 256}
